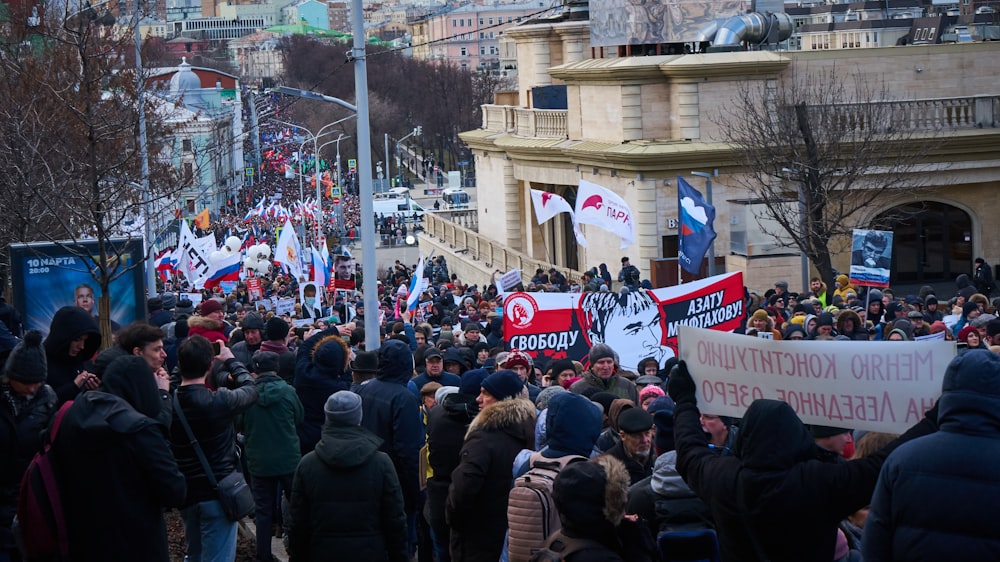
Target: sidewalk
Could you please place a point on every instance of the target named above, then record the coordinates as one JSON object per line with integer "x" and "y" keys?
{"x": 248, "y": 529}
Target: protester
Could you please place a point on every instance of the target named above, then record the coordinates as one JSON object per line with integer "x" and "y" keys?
{"x": 211, "y": 536}
{"x": 777, "y": 473}
{"x": 72, "y": 341}
{"x": 320, "y": 370}
{"x": 346, "y": 499}
{"x": 251, "y": 327}
{"x": 272, "y": 445}
{"x": 26, "y": 404}
{"x": 953, "y": 470}
{"x": 115, "y": 470}
{"x": 603, "y": 375}
{"x": 477, "y": 499}
{"x": 635, "y": 427}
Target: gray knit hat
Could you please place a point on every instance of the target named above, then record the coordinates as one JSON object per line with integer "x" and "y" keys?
{"x": 600, "y": 351}
{"x": 343, "y": 408}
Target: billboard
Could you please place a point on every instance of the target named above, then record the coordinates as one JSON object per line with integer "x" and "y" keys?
{"x": 641, "y": 22}
{"x": 47, "y": 276}
{"x": 637, "y": 324}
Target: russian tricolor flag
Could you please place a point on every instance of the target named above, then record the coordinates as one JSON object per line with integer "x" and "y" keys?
{"x": 226, "y": 269}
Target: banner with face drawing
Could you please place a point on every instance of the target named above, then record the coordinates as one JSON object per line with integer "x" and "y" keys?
{"x": 637, "y": 325}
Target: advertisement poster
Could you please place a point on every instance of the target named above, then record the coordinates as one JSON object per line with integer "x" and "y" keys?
{"x": 46, "y": 277}
{"x": 637, "y": 325}
{"x": 875, "y": 386}
{"x": 871, "y": 258}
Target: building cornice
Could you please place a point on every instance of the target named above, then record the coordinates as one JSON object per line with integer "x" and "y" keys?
{"x": 710, "y": 65}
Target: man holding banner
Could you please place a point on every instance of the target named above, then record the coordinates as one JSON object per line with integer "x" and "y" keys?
{"x": 780, "y": 496}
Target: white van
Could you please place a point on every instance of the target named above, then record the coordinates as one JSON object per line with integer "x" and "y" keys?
{"x": 455, "y": 198}
{"x": 400, "y": 207}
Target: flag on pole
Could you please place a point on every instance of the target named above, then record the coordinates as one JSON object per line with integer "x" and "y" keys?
{"x": 696, "y": 232}
{"x": 203, "y": 220}
{"x": 415, "y": 282}
{"x": 548, "y": 205}
{"x": 193, "y": 261}
{"x": 226, "y": 269}
{"x": 604, "y": 209}
{"x": 288, "y": 251}
{"x": 165, "y": 263}
{"x": 320, "y": 265}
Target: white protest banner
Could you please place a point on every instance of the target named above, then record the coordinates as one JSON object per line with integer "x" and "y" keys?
{"x": 876, "y": 386}
{"x": 285, "y": 306}
{"x": 195, "y": 298}
{"x": 939, "y": 336}
{"x": 509, "y": 280}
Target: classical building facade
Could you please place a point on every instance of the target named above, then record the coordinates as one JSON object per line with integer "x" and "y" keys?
{"x": 634, "y": 124}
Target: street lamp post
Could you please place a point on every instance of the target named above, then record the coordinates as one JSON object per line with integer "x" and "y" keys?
{"x": 708, "y": 198}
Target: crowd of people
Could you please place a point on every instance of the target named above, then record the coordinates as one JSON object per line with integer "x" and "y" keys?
{"x": 422, "y": 448}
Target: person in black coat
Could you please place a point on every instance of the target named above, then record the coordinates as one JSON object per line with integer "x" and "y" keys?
{"x": 447, "y": 425}
{"x": 346, "y": 499}
{"x": 392, "y": 413}
{"x": 26, "y": 404}
{"x": 115, "y": 470}
{"x": 476, "y": 509}
{"x": 320, "y": 370}
{"x": 776, "y": 474}
{"x": 936, "y": 497}
{"x": 73, "y": 339}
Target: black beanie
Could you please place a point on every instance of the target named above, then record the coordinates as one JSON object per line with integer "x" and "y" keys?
{"x": 276, "y": 329}
{"x": 26, "y": 362}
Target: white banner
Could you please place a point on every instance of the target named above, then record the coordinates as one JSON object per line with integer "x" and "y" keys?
{"x": 548, "y": 205}
{"x": 193, "y": 259}
{"x": 285, "y": 306}
{"x": 876, "y": 386}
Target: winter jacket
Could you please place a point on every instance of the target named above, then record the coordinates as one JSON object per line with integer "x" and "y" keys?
{"x": 937, "y": 495}
{"x": 446, "y": 379}
{"x": 211, "y": 416}
{"x": 22, "y": 421}
{"x": 346, "y": 501}
{"x": 859, "y": 333}
{"x": 286, "y": 359}
{"x": 447, "y": 425}
{"x": 666, "y": 502}
{"x": 965, "y": 287}
{"x": 636, "y": 470}
{"x": 116, "y": 475}
{"x": 212, "y": 329}
{"x": 777, "y": 473}
{"x": 615, "y": 384}
{"x": 392, "y": 413}
{"x": 272, "y": 443}
{"x": 69, "y": 323}
{"x": 244, "y": 352}
{"x": 477, "y": 499}
{"x": 315, "y": 382}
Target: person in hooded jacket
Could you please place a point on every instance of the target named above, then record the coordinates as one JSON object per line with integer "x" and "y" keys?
{"x": 73, "y": 339}
{"x": 252, "y": 330}
{"x": 320, "y": 370}
{"x": 392, "y": 413}
{"x": 666, "y": 503}
{"x": 26, "y": 404}
{"x": 272, "y": 445}
{"x": 476, "y": 508}
{"x": 446, "y": 428}
{"x": 849, "y": 324}
{"x": 776, "y": 473}
{"x": 346, "y": 500}
{"x": 936, "y": 496}
{"x": 115, "y": 470}
{"x": 965, "y": 287}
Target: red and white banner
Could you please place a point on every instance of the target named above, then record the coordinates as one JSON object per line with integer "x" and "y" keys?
{"x": 637, "y": 325}
{"x": 603, "y": 208}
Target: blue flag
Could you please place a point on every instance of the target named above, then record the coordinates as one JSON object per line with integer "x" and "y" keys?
{"x": 696, "y": 232}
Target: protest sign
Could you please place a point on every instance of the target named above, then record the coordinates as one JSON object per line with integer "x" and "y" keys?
{"x": 875, "y": 386}
{"x": 285, "y": 306}
{"x": 509, "y": 280}
{"x": 637, "y": 325}
{"x": 871, "y": 252}
{"x": 195, "y": 298}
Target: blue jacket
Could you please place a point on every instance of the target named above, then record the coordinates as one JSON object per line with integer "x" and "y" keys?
{"x": 937, "y": 496}
{"x": 392, "y": 413}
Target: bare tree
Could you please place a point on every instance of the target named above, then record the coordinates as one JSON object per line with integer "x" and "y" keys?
{"x": 69, "y": 158}
{"x": 817, "y": 151}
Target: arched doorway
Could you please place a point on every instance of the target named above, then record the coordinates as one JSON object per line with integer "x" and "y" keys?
{"x": 932, "y": 241}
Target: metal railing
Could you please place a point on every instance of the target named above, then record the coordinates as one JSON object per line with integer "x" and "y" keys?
{"x": 491, "y": 253}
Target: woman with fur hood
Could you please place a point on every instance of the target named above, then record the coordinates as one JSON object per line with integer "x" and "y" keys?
{"x": 849, "y": 324}
{"x": 320, "y": 371}
{"x": 476, "y": 509}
